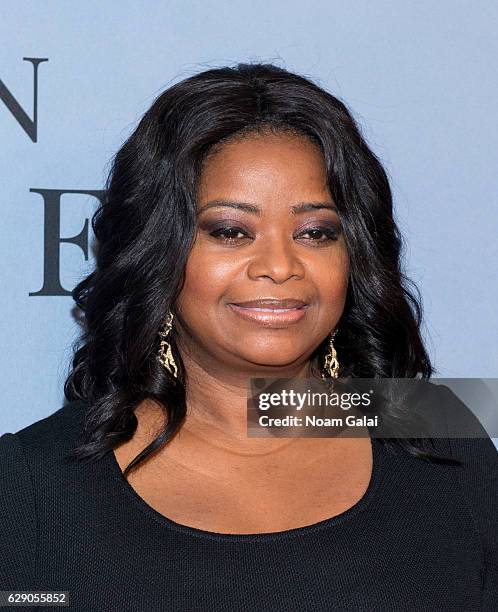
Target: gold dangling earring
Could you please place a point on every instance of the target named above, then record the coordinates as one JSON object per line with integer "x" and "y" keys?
{"x": 165, "y": 355}
{"x": 331, "y": 366}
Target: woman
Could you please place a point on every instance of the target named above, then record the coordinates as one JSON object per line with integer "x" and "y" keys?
{"x": 247, "y": 232}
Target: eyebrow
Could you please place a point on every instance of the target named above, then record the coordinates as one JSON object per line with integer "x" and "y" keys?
{"x": 295, "y": 209}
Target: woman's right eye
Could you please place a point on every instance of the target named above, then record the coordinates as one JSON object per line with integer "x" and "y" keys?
{"x": 228, "y": 234}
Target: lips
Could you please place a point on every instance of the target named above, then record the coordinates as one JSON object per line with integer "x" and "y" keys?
{"x": 272, "y": 304}
{"x": 271, "y": 312}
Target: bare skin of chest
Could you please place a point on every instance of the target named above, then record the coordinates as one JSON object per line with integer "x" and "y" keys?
{"x": 310, "y": 480}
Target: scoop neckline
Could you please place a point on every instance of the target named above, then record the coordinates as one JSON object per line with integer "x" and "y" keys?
{"x": 168, "y": 523}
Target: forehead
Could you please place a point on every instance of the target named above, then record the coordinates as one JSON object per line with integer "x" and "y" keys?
{"x": 264, "y": 163}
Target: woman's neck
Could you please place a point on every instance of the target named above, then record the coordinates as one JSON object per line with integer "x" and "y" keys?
{"x": 217, "y": 395}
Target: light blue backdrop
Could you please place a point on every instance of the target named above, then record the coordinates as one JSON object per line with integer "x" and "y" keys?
{"x": 420, "y": 77}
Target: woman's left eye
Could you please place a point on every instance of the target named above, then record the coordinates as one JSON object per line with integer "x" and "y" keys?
{"x": 321, "y": 234}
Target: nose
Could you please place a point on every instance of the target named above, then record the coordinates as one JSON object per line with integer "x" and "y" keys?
{"x": 277, "y": 259}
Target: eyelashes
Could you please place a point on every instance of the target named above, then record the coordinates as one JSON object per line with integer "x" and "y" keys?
{"x": 328, "y": 232}
{"x": 228, "y": 233}
{"x": 317, "y": 234}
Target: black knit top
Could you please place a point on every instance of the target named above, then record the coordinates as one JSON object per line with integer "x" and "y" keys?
{"x": 423, "y": 537}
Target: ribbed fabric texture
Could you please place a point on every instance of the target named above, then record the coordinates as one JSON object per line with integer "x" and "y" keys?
{"x": 423, "y": 537}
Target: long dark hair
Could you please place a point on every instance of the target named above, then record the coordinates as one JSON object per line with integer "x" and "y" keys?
{"x": 146, "y": 224}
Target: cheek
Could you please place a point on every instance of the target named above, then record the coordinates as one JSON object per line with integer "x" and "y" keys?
{"x": 332, "y": 279}
{"x": 206, "y": 280}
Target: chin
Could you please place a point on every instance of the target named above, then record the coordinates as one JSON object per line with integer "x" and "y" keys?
{"x": 271, "y": 362}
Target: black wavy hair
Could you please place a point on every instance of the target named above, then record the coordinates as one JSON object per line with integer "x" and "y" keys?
{"x": 146, "y": 223}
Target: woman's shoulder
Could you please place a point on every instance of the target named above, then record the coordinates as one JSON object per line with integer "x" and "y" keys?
{"x": 478, "y": 478}
{"x": 38, "y": 447}
{"x": 30, "y": 458}
{"x": 50, "y": 435}
{"x": 465, "y": 434}
{"x": 17, "y": 515}
{"x": 36, "y": 452}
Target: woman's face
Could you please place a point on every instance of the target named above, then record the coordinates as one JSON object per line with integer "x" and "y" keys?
{"x": 267, "y": 230}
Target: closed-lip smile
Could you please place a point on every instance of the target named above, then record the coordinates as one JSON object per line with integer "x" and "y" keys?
{"x": 271, "y": 312}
